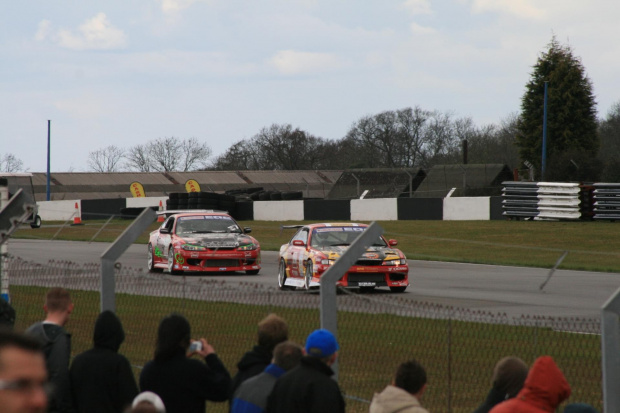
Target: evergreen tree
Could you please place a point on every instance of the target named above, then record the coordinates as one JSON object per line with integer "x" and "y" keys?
{"x": 571, "y": 112}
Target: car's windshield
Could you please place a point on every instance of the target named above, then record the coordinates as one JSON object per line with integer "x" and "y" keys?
{"x": 339, "y": 236}
{"x": 206, "y": 224}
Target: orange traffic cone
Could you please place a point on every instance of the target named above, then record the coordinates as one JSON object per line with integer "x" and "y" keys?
{"x": 77, "y": 220}
{"x": 160, "y": 218}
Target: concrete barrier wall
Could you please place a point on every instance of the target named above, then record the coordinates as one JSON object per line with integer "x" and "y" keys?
{"x": 377, "y": 209}
{"x": 58, "y": 210}
{"x": 279, "y": 210}
{"x": 467, "y": 209}
{"x": 148, "y": 201}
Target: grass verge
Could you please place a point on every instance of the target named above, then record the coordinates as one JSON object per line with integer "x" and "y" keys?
{"x": 458, "y": 355}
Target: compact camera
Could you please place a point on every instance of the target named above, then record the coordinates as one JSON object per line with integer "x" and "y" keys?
{"x": 195, "y": 346}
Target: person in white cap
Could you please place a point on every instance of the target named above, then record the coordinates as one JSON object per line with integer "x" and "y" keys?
{"x": 147, "y": 402}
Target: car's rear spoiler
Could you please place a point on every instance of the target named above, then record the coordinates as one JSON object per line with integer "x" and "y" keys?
{"x": 169, "y": 212}
{"x": 283, "y": 227}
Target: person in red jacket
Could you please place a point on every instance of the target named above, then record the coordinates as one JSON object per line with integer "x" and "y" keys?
{"x": 544, "y": 389}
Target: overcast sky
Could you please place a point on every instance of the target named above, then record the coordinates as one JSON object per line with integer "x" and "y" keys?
{"x": 125, "y": 72}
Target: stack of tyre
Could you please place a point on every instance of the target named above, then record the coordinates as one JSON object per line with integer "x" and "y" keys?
{"x": 201, "y": 200}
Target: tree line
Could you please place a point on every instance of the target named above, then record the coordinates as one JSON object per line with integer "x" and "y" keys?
{"x": 578, "y": 146}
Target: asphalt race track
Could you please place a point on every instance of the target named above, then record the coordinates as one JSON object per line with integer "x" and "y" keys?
{"x": 497, "y": 289}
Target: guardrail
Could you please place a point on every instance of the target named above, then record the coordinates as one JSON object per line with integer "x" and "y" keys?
{"x": 542, "y": 200}
{"x": 606, "y": 201}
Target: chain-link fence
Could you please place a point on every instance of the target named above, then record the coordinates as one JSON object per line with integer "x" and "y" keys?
{"x": 458, "y": 347}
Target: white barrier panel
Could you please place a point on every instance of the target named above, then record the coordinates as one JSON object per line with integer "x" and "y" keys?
{"x": 376, "y": 209}
{"x": 58, "y": 210}
{"x": 467, "y": 209}
{"x": 148, "y": 201}
{"x": 278, "y": 210}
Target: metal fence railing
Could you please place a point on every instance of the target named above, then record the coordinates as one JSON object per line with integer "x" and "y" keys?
{"x": 458, "y": 347}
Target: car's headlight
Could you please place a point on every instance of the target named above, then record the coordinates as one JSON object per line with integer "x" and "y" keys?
{"x": 190, "y": 247}
{"x": 395, "y": 262}
{"x": 247, "y": 247}
{"x": 325, "y": 261}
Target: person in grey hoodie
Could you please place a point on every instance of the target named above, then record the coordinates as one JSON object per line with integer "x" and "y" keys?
{"x": 56, "y": 343}
{"x": 101, "y": 378}
{"x": 403, "y": 394}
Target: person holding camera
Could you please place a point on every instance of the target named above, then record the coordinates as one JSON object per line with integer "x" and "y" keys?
{"x": 184, "y": 383}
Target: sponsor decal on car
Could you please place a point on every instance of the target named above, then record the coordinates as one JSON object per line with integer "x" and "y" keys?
{"x": 396, "y": 269}
{"x": 222, "y": 268}
{"x": 371, "y": 255}
{"x": 366, "y": 284}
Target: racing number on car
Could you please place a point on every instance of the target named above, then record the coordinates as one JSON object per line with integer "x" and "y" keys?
{"x": 179, "y": 258}
{"x": 298, "y": 260}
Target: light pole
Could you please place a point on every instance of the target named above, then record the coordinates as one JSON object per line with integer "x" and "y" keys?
{"x": 544, "y": 142}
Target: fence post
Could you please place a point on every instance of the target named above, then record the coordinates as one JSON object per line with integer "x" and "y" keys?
{"x": 114, "y": 251}
{"x": 610, "y": 342}
{"x": 329, "y": 305}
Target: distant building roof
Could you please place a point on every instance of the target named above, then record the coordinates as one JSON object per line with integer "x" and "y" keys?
{"x": 469, "y": 180}
{"x": 95, "y": 185}
{"x": 380, "y": 183}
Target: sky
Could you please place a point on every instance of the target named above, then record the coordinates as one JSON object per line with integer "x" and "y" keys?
{"x": 127, "y": 72}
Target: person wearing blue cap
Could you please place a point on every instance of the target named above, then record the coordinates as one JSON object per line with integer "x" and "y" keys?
{"x": 308, "y": 388}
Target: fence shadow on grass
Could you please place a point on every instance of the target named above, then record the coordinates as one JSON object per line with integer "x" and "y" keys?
{"x": 458, "y": 347}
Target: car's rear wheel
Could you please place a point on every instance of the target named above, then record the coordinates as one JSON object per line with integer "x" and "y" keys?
{"x": 398, "y": 289}
{"x": 150, "y": 261}
{"x": 252, "y": 272}
{"x": 282, "y": 276}
{"x": 308, "y": 274}
{"x": 171, "y": 269}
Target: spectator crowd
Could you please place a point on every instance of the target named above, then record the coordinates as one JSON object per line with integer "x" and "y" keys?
{"x": 275, "y": 376}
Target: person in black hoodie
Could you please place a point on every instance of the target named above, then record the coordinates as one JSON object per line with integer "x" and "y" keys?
{"x": 184, "y": 384}
{"x": 272, "y": 330}
{"x": 101, "y": 379}
{"x": 509, "y": 375}
{"x": 56, "y": 343}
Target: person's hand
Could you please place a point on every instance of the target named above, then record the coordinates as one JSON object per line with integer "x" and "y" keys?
{"x": 206, "y": 349}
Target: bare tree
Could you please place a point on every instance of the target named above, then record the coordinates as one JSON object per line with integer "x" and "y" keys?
{"x": 10, "y": 163}
{"x": 165, "y": 154}
{"x": 137, "y": 158}
{"x": 107, "y": 159}
{"x": 194, "y": 154}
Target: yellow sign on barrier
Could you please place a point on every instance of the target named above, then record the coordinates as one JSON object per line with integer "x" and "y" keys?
{"x": 192, "y": 186}
{"x": 137, "y": 190}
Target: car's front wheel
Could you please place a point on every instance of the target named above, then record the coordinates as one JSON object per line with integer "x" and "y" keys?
{"x": 36, "y": 222}
{"x": 282, "y": 276}
{"x": 150, "y": 260}
{"x": 171, "y": 260}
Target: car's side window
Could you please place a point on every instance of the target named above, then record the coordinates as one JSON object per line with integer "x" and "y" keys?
{"x": 170, "y": 223}
{"x": 302, "y": 235}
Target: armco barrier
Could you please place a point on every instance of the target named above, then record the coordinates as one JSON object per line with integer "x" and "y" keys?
{"x": 607, "y": 201}
{"x": 542, "y": 200}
